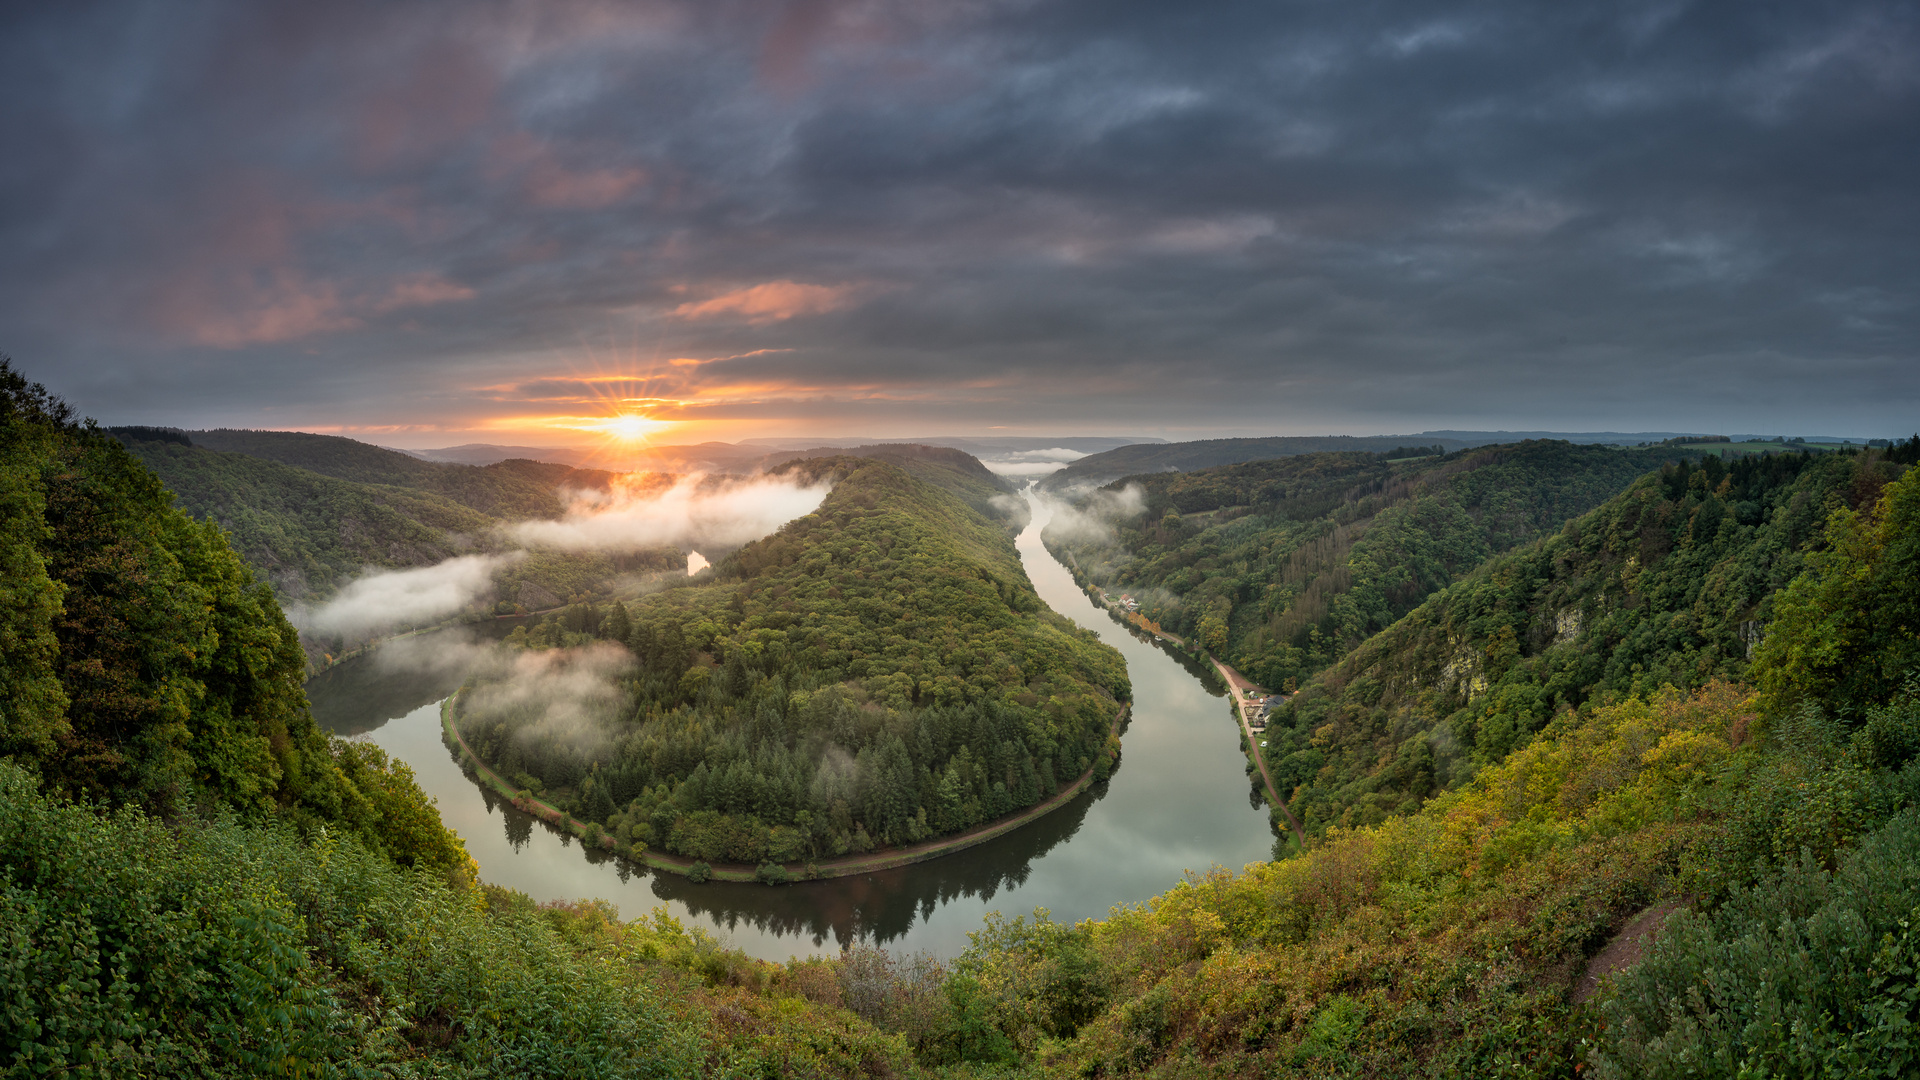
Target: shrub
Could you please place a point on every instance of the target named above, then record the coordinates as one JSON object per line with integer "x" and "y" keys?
{"x": 1811, "y": 973}
{"x": 699, "y": 872}
{"x": 773, "y": 873}
{"x": 137, "y": 948}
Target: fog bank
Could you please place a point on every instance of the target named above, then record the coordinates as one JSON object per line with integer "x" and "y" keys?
{"x": 694, "y": 512}
{"x": 391, "y": 599}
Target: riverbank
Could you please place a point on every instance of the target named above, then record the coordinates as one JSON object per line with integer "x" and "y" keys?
{"x": 840, "y": 866}
{"x": 1237, "y": 687}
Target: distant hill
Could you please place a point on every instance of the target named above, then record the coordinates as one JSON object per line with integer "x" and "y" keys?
{"x": 300, "y": 530}
{"x": 952, "y": 470}
{"x": 511, "y": 490}
{"x": 1280, "y": 566}
{"x": 307, "y": 530}
{"x": 979, "y": 446}
{"x": 1097, "y": 469}
{"x": 699, "y": 457}
{"x": 1615, "y": 438}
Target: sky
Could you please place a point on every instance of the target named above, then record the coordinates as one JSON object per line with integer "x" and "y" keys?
{"x": 428, "y": 223}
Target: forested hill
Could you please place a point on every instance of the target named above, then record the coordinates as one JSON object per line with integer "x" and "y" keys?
{"x": 877, "y": 672}
{"x": 944, "y": 467}
{"x": 1279, "y": 567}
{"x": 512, "y": 490}
{"x": 311, "y": 511}
{"x": 1137, "y": 458}
{"x": 141, "y": 664}
{"x": 304, "y": 531}
{"x": 1671, "y": 583}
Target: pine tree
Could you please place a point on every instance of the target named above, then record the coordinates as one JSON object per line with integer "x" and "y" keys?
{"x": 617, "y": 626}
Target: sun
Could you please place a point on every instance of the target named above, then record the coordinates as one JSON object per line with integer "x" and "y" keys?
{"x": 628, "y": 427}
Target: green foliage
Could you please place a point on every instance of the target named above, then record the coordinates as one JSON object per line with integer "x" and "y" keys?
{"x": 513, "y": 490}
{"x": 878, "y": 672}
{"x": 130, "y": 947}
{"x": 1281, "y": 567}
{"x": 1667, "y": 583}
{"x": 1144, "y": 458}
{"x": 178, "y": 678}
{"x": 1848, "y": 631}
{"x": 1810, "y": 973}
{"x": 32, "y": 701}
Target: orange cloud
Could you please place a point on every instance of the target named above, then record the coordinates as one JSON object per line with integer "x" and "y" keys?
{"x": 772, "y": 302}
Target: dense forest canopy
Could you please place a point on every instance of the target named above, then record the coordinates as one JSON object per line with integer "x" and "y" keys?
{"x": 142, "y": 664}
{"x": 1148, "y": 458}
{"x": 877, "y": 672}
{"x": 311, "y": 512}
{"x": 1671, "y": 583}
{"x": 1280, "y": 567}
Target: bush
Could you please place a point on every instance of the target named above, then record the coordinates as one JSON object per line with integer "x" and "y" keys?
{"x": 1811, "y": 973}
{"x": 773, "y": 874}
{"x": 699, "y": 872}
{"x": 137, "y": 948}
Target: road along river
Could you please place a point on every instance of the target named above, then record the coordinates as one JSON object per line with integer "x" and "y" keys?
{"x": 1180, "y": 801}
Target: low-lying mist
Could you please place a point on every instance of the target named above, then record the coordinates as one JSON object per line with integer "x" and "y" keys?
{"x": 1091, "y": 522}
{"x": 567, "y": 696}
{"x": 716, "y": 514}
{"x": 1029, "y": 464}
{"x": 696, "y": 511}
{"x": 390, "y": 599}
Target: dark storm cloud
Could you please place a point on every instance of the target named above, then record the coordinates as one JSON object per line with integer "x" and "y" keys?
{"x": 1257, "y": 216}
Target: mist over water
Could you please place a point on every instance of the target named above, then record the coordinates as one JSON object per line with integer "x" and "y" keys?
{"x": 1179, "y": 801}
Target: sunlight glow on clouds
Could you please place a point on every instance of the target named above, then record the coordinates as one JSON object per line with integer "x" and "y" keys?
{"x": 772, "y": 302}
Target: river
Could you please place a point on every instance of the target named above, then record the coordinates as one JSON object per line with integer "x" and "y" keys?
{"x": 1180, "y": 801}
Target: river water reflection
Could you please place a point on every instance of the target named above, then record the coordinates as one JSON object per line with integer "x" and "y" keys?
{"x": 1179, "y": 801}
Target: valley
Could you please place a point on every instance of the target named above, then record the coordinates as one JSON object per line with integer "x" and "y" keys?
{"x": 1178, "y": 802}
{"x": 1552, "y": 695}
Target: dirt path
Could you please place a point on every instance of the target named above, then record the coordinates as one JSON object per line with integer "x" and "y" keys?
{"x": 843, "y": 866}
{"x": 1236, "y": 685}
{"x": 1627, "y": 948}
